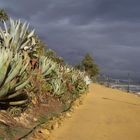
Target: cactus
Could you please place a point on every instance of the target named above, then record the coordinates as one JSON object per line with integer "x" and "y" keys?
{"x": 13, "y": 76}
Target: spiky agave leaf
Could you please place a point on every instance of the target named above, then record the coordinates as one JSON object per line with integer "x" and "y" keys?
{"x": 17, "y": 36}
{"x": 4, "y": 63}
{"x": 58, "y": 86}
{"x": 47, "y": 66}
{"x": 13, "y": 76}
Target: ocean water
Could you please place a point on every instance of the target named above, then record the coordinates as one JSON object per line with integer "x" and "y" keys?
{"x": 131, "y": 88}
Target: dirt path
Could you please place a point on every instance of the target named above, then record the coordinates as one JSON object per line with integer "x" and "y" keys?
{"x": 106, "y": 114}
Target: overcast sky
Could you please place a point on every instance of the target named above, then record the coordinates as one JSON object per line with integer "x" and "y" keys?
{"x": 108, "y": 29}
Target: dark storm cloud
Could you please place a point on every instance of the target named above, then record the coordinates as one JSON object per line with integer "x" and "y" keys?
{"x": 107, "y": 29}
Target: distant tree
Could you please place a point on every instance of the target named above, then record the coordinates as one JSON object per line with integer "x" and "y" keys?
{"x": 3, "y": 15}
{"x": 88, "y": 64}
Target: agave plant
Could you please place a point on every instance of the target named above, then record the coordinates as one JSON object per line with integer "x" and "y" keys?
{"x": 80, "y": 84}
{"x": 58, "y": 86}
{"x": 13, "y": 76}
{"x": 16, "y": 36}
{"x": 75, "y": 80}
{"x": 47, "y": 66}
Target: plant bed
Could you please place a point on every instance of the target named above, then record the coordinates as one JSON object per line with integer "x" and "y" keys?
{"x": 34, "y": 88}
{"x": 44, "y": 131}
{"x": 18, "y": 127}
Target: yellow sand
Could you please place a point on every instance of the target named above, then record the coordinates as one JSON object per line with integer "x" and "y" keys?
{"x": 106, "y": 114}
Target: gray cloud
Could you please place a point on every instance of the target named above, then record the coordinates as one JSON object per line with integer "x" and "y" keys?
{"x": 108, "y": 29}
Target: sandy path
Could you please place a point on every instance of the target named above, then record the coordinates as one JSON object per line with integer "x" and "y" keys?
{"x": 106, "y": 114}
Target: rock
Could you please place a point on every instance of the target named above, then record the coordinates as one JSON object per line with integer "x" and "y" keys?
{"x": 81, "y": 102}
{"x": 45, "y": 132}
{"x": 72, "y": 110}
{"x": 68, "y": 115}
{"x": 62, "y": 117}
{"x": 40, "y": 134}
{"x": 76, "y": 107}
{"x": 49, "y": 126}
{"x": 60, "y": 122}
{"x": 35, "y": 119}
{"x": 55, "y": 125}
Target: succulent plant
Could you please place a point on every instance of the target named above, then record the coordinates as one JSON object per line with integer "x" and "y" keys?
{"x": 58, "y": 86}
{"x": 75, "y": 80}
{"x": 15, "y": 111}
{"x": 47, "y": 66}
{"x": 13, "y": 76}
{"x": 17, "y": 37}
